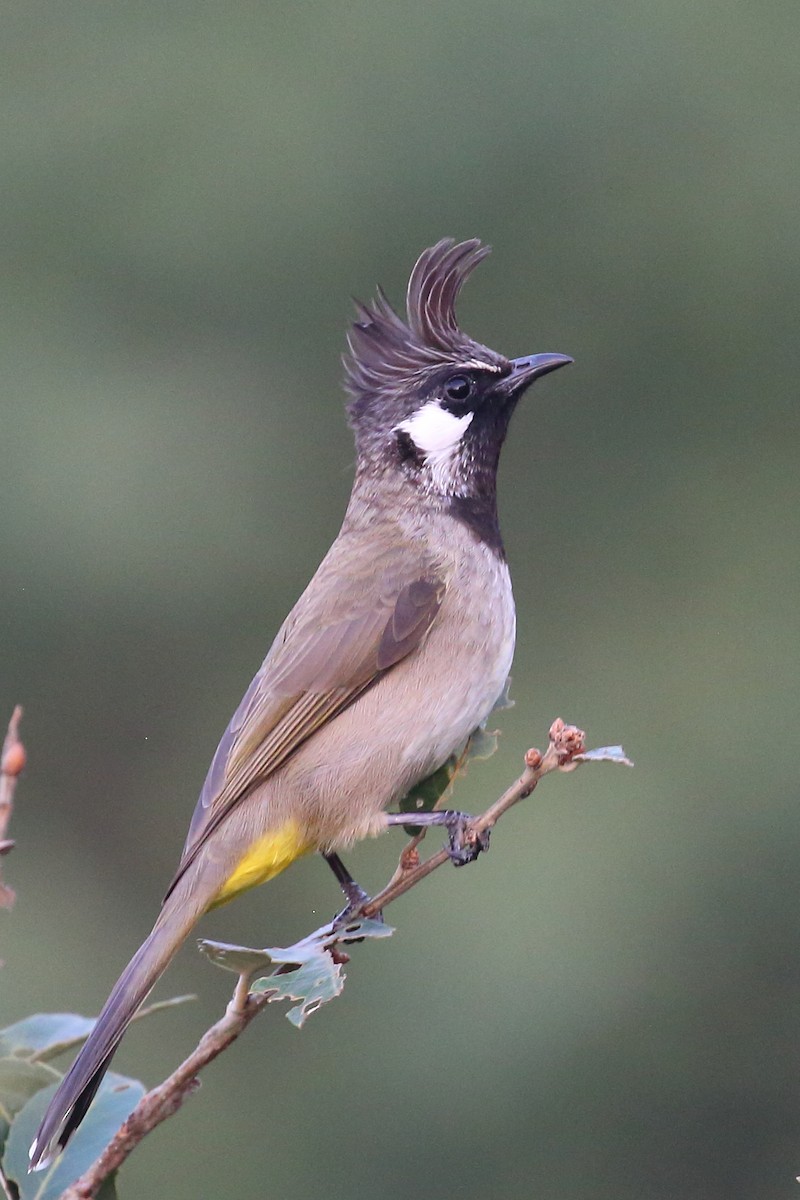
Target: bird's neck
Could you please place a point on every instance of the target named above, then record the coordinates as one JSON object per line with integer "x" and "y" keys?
{"x": 393, "y": 493}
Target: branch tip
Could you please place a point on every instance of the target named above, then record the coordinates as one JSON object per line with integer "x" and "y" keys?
{"x": 566, "y": 740}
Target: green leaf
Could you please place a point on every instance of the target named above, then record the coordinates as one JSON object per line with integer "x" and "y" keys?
{"x": 317, "y": 977}
{"x": 314, "y": 977}
{"x": 306, "y": 972}
{"x": 425, "y": 795}
{"x": 38, "y": 1034}
{"x": 19, "y": 1080}
{"x": 313, "y": 982}
{"x": 43, "y": 1036}
{"x": 116, "y": 1100}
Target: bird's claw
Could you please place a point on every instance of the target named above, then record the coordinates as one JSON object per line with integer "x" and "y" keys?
{"x": 356, "y": 899}
{"x": 465, "y": 843}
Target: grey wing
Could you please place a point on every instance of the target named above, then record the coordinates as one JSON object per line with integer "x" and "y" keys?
{"x": 346, "y": 630}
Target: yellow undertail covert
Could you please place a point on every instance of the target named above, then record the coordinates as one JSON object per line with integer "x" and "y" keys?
{"x": 265, "y": 859}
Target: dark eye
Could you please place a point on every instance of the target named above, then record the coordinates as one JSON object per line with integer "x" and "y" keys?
{"x": 458, "y": 387}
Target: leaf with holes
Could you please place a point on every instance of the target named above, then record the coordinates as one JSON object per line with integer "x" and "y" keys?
{"x": 309, "y": 971}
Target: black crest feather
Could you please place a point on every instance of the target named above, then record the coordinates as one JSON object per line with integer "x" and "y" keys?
{"x": 386, "y": 351}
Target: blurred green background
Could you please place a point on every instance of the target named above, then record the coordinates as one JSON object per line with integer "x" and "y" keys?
{"x": 605, "y": 1008}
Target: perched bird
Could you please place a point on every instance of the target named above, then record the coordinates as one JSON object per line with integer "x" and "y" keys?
{"x": 396, "y": 651}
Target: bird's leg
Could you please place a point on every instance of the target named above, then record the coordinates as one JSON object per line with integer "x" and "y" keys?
{"x": 464, "y": 847}
{"x": 354, "y": 894}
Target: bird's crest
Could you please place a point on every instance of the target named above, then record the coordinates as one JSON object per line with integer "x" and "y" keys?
{"x": 386, "y": 351}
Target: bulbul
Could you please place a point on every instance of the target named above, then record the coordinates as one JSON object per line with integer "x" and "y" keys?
{"x": 396, "y": 651}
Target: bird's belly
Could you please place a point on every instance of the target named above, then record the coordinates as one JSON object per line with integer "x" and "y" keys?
{"x": 411, "y": 720}
{"x": 464, "y": 667}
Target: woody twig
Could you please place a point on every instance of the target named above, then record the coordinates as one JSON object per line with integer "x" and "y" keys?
{"x": 12, "y": 763}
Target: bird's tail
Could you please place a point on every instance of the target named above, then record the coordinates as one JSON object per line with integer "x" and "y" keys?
{"x": 77, "y": 1089}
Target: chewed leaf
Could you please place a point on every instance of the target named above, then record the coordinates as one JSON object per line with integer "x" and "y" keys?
{"x": 613, "y": 754}
{"x": 116, "y": 1100}
{"x": 243, "y": 960}
{"x": 364, "y": 927}
{"x": 309, "y": 972}
{"x": 313, "y": 982}
{"x": 482, "y": 744}
{"x": 504, "y": 701}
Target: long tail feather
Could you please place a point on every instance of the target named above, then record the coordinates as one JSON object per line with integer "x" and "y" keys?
{"x": 78, "y": 1087}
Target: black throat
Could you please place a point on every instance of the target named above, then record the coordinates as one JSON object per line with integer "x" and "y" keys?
{"x": 473, "y": 498}
{"x": 479, "y": 514}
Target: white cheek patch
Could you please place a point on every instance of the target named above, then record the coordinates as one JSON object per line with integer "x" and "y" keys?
{"x": 434, "y": 431}
{"x": 436, "y": 434}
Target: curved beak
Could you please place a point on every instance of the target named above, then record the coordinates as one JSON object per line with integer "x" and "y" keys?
{"x": 533, "y": 366}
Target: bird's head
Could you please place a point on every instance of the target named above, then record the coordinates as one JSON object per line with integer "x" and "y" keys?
{"x": 427, "y": 400}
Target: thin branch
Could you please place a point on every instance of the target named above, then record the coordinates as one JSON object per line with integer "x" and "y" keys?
{"x": 12, "y": 763}
{"x": 564, "y": 752}
{"x": 6, "y": 1186}
{"x": 165, "y": 1099}
{"x": 565, "y": 743}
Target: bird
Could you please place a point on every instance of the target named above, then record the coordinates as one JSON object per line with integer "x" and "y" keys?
{"x": 394, "y": 654}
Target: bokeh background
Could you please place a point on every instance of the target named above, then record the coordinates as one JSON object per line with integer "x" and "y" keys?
{"x": 608, "y": 1006}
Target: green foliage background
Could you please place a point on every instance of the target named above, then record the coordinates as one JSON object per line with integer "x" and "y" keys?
{"x": 605, "y": 1008}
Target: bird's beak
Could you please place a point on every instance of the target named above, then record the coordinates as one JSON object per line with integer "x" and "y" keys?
{"x": 533, "y": 366}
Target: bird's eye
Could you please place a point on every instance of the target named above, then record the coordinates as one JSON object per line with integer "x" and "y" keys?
{"x": 458, "y": 387}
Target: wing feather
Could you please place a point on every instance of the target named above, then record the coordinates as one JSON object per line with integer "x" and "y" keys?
{"x": 345, "y": 631}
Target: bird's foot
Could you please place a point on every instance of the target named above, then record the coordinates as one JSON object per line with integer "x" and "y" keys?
{"x": 354, "y": 894}
{"x": 464, "y": 842}
{"x": 356, "y": 899}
